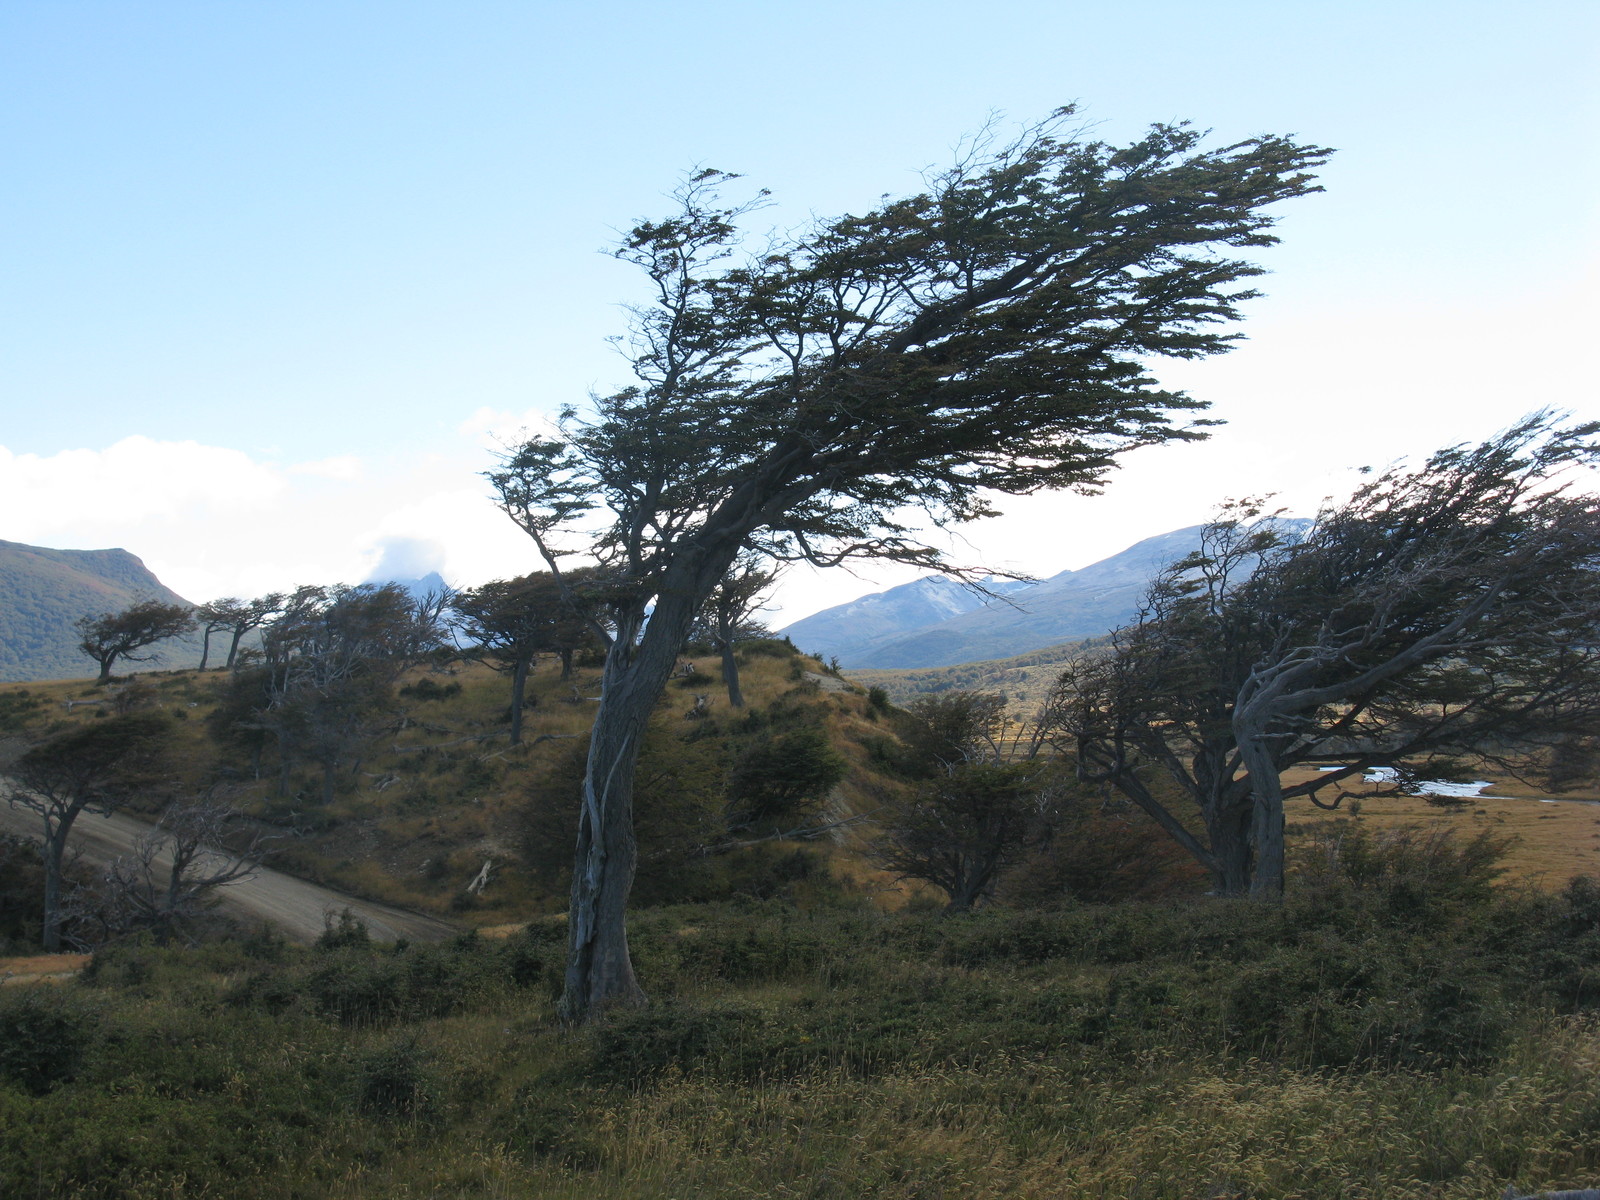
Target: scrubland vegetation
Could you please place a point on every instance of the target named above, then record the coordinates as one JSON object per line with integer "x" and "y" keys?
{"x": 1407, "y": 1022}
{"x": 1398, "y": 1028}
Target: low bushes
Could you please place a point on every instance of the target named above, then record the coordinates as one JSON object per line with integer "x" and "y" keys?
{"x": 1165, "y": 1048}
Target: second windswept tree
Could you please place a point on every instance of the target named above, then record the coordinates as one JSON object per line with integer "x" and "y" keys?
{"x": 989, "y": 334}
{"x": 1443, "y": 612}
{"x": 513, "y": 621}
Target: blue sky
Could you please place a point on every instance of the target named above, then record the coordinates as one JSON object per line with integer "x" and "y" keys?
{"x": 274, "y": 275}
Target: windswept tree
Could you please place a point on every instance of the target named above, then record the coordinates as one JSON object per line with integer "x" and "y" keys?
{"x": 94, "y": 768}
{"x": 511, "y": 622}
{"x": 729, "y": 616}
{"x": 330, "y": 662}
{"x": 236, "y": 618}
{"x": 990, "y": 334}
{"x": 1444, "y": 612}
{"x": 111, "y": 637}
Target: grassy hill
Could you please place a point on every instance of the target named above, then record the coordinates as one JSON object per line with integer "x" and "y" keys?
{"x": 43, "y": 591}
{"x": 437, "y": 791}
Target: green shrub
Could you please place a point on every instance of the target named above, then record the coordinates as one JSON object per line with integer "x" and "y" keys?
{"x": 270, "y": 991}
{"x": 777, "y": 781}
{"x": 636, "y": 1047}
{"x": 396, "y": 1080}
{"x": 17, "y": 708}
{"x": 341, "y": 930}
{"x": 767, "y": 648}
{"x": 1412, "y": 875}
{"x": 358, "y": 989}
{"x": 43, "y": 1035}
{"x": 427, "y": 690}
{"x": 1328, "y": 1001}
{"x": 556, "y": 1125}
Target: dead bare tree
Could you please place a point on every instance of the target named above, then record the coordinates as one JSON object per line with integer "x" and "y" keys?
{"x": 175, "y": 870}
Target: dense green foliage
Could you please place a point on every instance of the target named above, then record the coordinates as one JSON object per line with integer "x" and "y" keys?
{"x": 1225, "y": 1049}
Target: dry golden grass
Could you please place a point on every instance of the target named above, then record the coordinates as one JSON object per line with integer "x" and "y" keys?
{"x": 41, "y": 968}
{"x": 1556, "y": 838}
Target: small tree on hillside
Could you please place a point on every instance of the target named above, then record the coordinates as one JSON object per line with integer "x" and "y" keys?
{"x": 989, "y": 334}
{"x": 777, "y": 782}
{"x": 946, "y": 729}
{"x": 95, "y": 768}
{"x": 236, "y": 618}
{"x": 961, "y": 830}
{"x": 729, "y": 616}
{"x": 511, "y": 622}
{"x": 118, "y": 636}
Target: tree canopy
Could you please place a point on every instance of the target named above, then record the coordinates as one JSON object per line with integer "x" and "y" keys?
{"x": 823, "y": 395}
{"x": 93, "y": 768}
{"x": 113, "y": 636}
{"x": 330, "y": 660}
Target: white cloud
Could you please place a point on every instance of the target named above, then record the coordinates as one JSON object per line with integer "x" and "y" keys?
{"x": 343, "y": 466}
{"x": 131, "y": 482}
{"x": 212, "y": 521}
{"x": 474, "y": 540}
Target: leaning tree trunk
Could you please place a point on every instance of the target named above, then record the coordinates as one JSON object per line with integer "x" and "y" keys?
{"x": 730, "y": 674}
{"x": 50, "y": 937}
{"x": 55, "y": 850}
{"x": 599, "y": 971}
{"x": 1267, "y": 819}
{"x": 519, "y": 685}
{"x": 205, "y": 650}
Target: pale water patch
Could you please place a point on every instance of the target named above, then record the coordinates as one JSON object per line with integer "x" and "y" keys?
{"x": 1444, "y": 787}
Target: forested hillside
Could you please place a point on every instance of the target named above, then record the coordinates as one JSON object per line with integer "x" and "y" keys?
{"x": 43, "y": 591}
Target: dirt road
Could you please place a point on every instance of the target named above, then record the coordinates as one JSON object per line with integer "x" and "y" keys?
{"x": 296, "y": 907}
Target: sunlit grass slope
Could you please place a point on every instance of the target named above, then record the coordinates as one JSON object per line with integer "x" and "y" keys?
{"x": 438, "y": 791}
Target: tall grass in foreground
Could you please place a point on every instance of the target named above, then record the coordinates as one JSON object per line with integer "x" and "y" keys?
{"x": 1399, "y": 1030}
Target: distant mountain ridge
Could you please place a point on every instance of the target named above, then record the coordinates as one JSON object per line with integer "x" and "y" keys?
{"x": 43, "y": 591}
{"x": 845, "y": 629}
{"x": 904, "y": 627}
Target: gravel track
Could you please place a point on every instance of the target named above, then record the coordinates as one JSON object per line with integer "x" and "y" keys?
{"x": 297, "y": 907}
